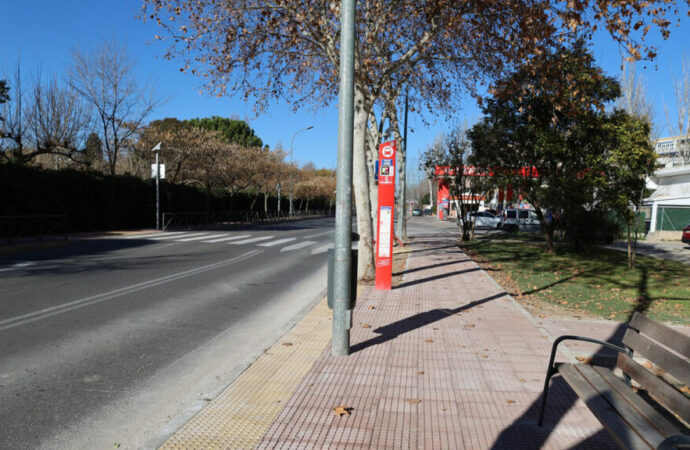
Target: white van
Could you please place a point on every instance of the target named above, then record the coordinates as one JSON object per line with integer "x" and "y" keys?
{"x": 520, "y": 219}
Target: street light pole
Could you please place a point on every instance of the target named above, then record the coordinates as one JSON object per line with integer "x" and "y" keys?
{"x": 157, "y": 150}
{"x": 291, "y": 142}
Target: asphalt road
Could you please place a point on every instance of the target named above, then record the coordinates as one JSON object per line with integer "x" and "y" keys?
{"x": 116, "y": 341}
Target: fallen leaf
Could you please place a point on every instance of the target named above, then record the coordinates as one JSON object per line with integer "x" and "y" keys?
{"x": 342, "y": 410}
{"x": 522, "y": 380}
{"x": 421, "y": 372}
{"x": 434, "y": 328}
{"x": 541, "y": 316}
{"x": 287, "y": 344}
{"x": 485, "y": 355}
{"x": 584, "y": 360}
{"x": 366, "y": 325}
{"x": 372, "y": 307}
{"x": 510, "y": 401}
{"x": 685, "y": 390}
{"x": 648, "y": 365}
{"x": 429, "y": 341}
{"x": 413, "y": 401}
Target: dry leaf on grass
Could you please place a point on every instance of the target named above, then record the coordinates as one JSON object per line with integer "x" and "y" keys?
{"x": 342, "y": 410}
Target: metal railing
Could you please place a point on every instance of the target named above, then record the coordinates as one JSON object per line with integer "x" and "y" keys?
{"x": 187, "y": 220}
{"x": 17, "y": 227}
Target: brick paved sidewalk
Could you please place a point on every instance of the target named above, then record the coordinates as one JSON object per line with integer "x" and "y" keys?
{"x": 446, "y": 360}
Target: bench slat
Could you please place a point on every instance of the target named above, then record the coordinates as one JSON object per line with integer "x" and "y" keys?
{"x": 671, "y": 338}
{"x": 670, "y": 362}
{"x": 620, "y": 430}
{"x": 611, "y": 390}
{"x": 665, "y": 394}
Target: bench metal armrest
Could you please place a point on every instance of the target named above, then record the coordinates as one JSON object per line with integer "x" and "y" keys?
{"x": 568, "y": 337}
{"x": 677, "y": 441}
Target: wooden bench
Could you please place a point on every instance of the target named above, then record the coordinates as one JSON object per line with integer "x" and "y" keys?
{"x": 633, "y": 421}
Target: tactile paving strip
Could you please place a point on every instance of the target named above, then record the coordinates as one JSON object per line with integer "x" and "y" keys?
{"x": 240, "y": 415}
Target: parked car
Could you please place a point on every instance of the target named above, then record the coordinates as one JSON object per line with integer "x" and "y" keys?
{"x": 520, "y": 219}
{"x": 428, "y": 212}
{"x": 416, "y": 212}
{"x": 686, "y": 234}
{"x": 484, "y": 219}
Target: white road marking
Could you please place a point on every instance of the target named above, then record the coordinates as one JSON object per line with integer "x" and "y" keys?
{"x": 277, "y": 242}
{"x": 322, "y": 249}
{"x": 252, "y": 240}
{"x": 158, "y": 234}
{"x": 19, "y": 265}
{"x": 297, "y": 246}
{"x": 87, "y": 301}
{"x": 318, "y": 234}
{"x": 231, "y": 238}
{"x": 198, "y": 238}
{"x": 177, "y": 237}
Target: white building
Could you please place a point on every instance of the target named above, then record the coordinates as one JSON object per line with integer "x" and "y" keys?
{"x": 673, "y": 150}
{"x": 669, "y": 201}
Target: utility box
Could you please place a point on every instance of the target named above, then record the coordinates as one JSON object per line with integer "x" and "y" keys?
{"x": 331, "y": 277}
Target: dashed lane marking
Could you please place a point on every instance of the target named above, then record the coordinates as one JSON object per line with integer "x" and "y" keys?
{"x": 198, "y": 238}
{"x": 231, "y": 238}
{"x": 152, "y": 235}
{"x": 297, "y": 246}
{"x": 251, "y": 241}
{"x": 322, "y": 249}
{"x": 277, "y": 242}
{"x": 177, "y": 237}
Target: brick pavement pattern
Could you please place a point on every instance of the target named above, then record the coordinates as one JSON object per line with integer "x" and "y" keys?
{"x": 446, "y": 360}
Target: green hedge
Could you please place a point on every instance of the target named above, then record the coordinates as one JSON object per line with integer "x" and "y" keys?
{"x": 93, "y": 201}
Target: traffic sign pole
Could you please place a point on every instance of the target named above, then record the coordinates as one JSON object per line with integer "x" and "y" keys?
{"x": 386, "y": 215}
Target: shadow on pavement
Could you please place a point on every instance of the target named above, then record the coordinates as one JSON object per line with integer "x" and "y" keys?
{"x": 395, "y": 329}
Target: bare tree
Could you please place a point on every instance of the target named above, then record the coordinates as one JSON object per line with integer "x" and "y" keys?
{"x": 57, "y": 120}
{"x": 12, "y": 127}
{"x": 679, "y": 125}
{"x": 634, "y": 98}
{"x": 104, "y": 77}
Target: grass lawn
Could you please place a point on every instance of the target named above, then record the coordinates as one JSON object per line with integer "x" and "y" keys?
{"x": 594, "y": 282}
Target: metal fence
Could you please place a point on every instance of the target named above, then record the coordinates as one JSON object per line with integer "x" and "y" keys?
{"x": 186, "y": 220}
{"x": 672, "y": 218}
{"x": 13, "y": 228}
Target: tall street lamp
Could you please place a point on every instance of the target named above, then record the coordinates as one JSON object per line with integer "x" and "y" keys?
{"x": 291, "y": 142}
{"x": 157, "y": 150}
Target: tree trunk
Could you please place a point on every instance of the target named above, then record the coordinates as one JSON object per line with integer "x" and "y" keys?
{"x": 631, "y": 263}
{"x": 266, "y": 203}
{"x": 371, "y": 149}
{"x": 401, "y": 226}
{"x": 360, "y": 182}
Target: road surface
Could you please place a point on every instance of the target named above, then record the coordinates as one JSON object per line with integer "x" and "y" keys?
{"x": 115, "y": 341}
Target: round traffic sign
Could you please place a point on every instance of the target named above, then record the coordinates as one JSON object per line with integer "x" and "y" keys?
{"x": 387, "y": 151}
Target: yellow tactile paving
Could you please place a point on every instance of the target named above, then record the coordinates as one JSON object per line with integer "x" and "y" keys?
{"x": 241, "y": 415}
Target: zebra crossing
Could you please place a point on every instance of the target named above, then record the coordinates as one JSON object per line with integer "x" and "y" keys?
{"x": 286, "y": 244}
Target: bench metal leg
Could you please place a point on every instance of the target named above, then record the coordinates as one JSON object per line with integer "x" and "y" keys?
{"x": 552, "y": 368}
{"x": 545, "y": 394}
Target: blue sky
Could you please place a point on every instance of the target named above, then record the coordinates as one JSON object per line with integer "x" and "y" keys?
{"x": 43, "y": 32}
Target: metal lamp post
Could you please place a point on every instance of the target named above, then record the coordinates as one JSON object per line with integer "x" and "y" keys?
{"x": 291, "y": 142}
{"x": 157, "y": 150}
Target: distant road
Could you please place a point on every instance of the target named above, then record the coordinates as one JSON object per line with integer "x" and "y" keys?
{"x": 105, "y": 341}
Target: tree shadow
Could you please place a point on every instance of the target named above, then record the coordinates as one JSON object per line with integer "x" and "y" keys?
{"x": 435, "y": 277}
{"x": 432, "y": 266}
{"x": 395, "y": 329}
